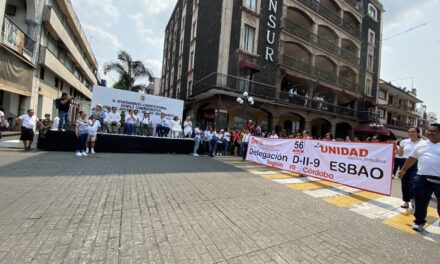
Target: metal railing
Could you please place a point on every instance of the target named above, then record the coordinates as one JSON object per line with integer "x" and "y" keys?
{"x": 14, "y": 37}
{"x": 318, "y": 73}
{"x": 228, "y": 82}
{"x": 368, "y": 116}
{"x": 319, "y": 105}
{"x": 297, "y": 30}
{"x": 358, "y": 5}
{"x": 333, "y": 17}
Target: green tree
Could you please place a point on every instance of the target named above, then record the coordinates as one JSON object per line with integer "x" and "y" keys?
{"x": 129, "y": 71}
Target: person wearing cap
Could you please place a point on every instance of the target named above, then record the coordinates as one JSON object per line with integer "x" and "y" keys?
{"x": 146, "y": 125}
{"x": 113, "y": 120}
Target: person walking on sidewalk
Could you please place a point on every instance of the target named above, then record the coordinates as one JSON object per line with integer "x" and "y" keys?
{"x": 63, "y": 106}
{"x": 427, "y": 180}
{"x": 82, "y": 133}
{"x": 403, "y": 150}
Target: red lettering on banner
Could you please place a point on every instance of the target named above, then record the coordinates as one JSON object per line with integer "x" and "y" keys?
{"x": 275, "y": 164}
{"x": 344, "y": 151}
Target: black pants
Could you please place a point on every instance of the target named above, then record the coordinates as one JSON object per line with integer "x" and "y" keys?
{"x": 245, "y": 148}
{"x": 423, "y": 190}
{"x": 398, "y": 164}
{"x": 407, "y": 183}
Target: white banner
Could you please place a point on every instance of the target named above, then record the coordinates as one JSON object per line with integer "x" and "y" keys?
{"x": 125, "y": 100}
{"x": 366, "y": 166}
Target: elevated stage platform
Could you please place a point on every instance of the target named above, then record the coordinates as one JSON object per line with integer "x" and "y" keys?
{"x": 66, "y": 141}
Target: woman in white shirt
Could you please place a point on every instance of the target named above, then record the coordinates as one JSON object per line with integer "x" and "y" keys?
{"x": 176, "y": 127}
{"x": 187, "y": 127}
{"x": 273, "y": 135}
{"x": 403, "y": 150}
{"x": 226, "y": 141}
{"x": 93, "y": 129}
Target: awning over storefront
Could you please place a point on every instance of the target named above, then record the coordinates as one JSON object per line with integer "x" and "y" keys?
{"x": 395, "y": 133}
{"x": 368, "y": 129}
{"x": 15, "y": 75}
{"x": 249, "y": 65}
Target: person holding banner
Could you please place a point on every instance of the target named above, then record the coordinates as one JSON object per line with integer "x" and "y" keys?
{"x": 403, "y": 150}
{"x": 245, "y": 143}
{"x": 427, "y": 180}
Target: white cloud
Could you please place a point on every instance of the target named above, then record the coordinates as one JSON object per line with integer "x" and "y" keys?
{"x": 147, "y": 35}
{"x": 102, "y": 40}
{"x": 157, "y": 7}
{"x": 103, "y": 12}
{"x": 155, "y": 66}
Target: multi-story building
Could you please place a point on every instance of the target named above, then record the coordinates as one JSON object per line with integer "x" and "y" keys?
{"x": 397, "y": 108}
{"x": 43, "y": 52}
{"x": 326, "y": 53}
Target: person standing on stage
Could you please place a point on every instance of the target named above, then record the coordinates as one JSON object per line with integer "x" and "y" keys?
{"x": 245, "y": 143}
{"x": 28, "y": 123}
{"x": 63, "y": 106}
{"x": 403, "y": 150}
{"x": 427, "y": 180}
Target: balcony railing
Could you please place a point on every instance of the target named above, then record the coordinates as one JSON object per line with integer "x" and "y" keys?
{"x": 297, "y": 30}
{"x": 15, "y": 38}
{"x": 333, "y": 17}
{"x": 319, "y": 105}
{"x": 228, "y": 82}
{"x": 358, "y": 5}
{"x": 318, "y": 73}
{"x": 399, "y": 124}
{"x": 369, "y": 116}
{"x": 239, "y": 85}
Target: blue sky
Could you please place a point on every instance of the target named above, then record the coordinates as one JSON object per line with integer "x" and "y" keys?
{"x": 138, "y": 27}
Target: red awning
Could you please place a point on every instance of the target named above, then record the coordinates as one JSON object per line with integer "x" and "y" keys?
{"x": 366, "y": 129}
{"x": 249, "y": 65}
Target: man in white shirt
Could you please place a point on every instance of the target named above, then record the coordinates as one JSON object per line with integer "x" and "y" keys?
{"x": 131, "y": 122}
{"x": 427, "y": 180}
{"x": 28, "y": 124}
{"x": 113, "y": 120}
{"x": 147, "y": 125}
{"x": 163, "y": 126}
{"x": 246, "y": 137}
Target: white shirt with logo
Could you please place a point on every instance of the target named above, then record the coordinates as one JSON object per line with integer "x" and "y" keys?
{"x": 113, "y": 117}
{"x": 28, "y": 122}
{"x": 428, "y": 155}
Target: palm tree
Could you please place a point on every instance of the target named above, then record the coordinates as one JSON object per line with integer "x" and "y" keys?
{"x": 129, "y": 72}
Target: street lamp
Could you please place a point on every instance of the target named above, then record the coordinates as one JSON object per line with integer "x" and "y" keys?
{"x": 245, "y": 102}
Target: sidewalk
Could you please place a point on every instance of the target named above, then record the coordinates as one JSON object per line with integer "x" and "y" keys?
{"x": 118, "y": 208}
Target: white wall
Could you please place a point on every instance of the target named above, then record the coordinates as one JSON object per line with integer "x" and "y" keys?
{"x": 45, "y": 106}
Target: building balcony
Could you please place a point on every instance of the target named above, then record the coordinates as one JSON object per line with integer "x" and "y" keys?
{"x": 58, "y": 29}
{"x": 311, "y": 70}
{"x": 399, "y": 124}
{"x": 259, "y": 90}
{"x": 357, "y": 5}
{"x": 297, "y": 30}
{"x": 400, "y": 108}
{"x": 15, "y": 38}
{"x": 333, "y": 17}
{"x": 50, "y": 61}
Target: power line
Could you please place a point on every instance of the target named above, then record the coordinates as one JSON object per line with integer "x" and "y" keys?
{"x": 410, "y": 29}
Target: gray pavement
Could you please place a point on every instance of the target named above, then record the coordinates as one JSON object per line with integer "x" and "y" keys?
{"x": 115, "y": 208}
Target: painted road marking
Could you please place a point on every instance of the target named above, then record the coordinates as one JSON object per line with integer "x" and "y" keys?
{"x": 352, "y": 199}
{"x": 371, "y": 205}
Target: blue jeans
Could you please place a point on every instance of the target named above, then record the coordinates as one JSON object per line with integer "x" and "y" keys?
{"x": 213, "y": 147}
{"x": 64, "y": 119}
{"x": 226, "y": 144}
{"x": 196, "y": 144}
{"x": 129, "y": 127}
{"x": 81, "y": 142}
{"x": 422, "y": 190}
{"x": 245, "y": 148}
{"x": 162, "y": 131}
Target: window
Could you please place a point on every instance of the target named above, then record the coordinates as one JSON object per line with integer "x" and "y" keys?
{"x": 191, "y": 60}
{"x": 189, "y": 88}
{"x": 194, "y": 30}
{"x": 382, "y": 94}
{"x": 41, "y": 74}
{"x": 381, "y": 113}
{"x": 250, "y": 4}
{"x": 368, "y": 87}
{"x": 371, "y": 37}
{"x": 370, "y": 62}
{"x": 372, "y": 11}
{"x": 248, "y": 38}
